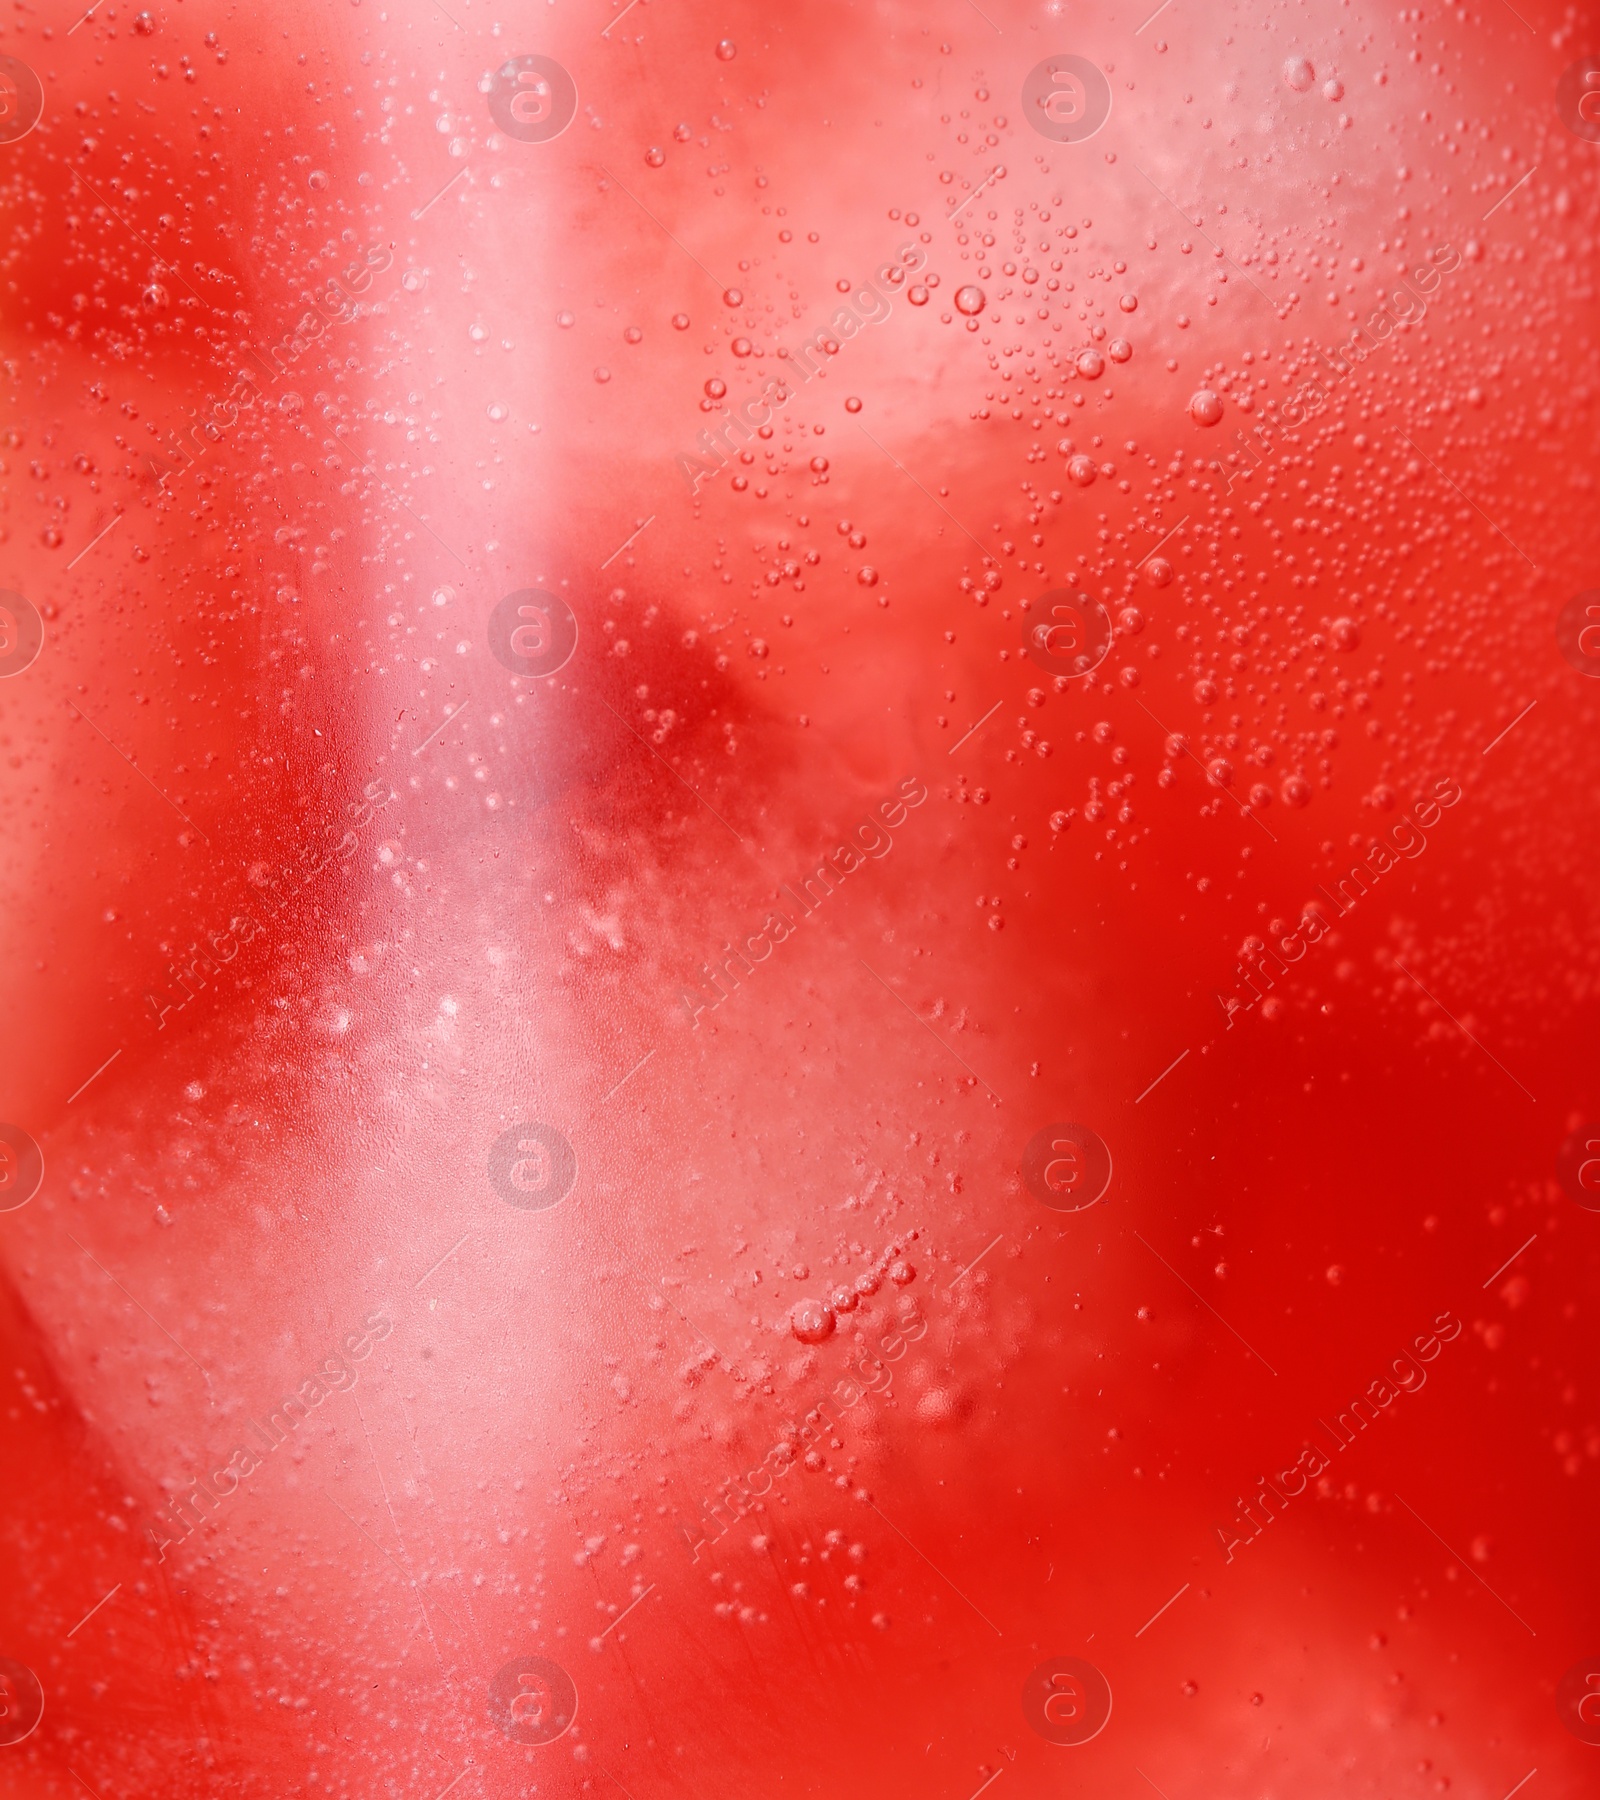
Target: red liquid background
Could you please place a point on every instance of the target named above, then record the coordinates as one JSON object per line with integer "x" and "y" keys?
{"x": 298, "y": 1146}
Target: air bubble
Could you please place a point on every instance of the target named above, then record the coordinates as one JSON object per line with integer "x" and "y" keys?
{"x": 811, "y": 1322}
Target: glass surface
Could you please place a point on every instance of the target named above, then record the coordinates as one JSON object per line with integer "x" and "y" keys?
{"x": 798, "y": 901}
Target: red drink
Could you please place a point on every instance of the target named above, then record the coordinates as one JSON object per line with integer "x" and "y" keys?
{"x": 797, "y": 919}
